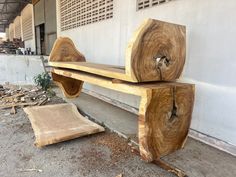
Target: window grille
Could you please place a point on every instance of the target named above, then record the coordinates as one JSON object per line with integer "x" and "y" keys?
{"x": 27, "y": 23}
{"x": 142, "y": 4}
{"x": 17, "y": 24}
{"x": 11, "y": 32}
{"x": 76, "y": 13}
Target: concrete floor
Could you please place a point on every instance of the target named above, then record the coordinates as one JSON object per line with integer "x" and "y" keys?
{"x": 196, "y": 159}
{"x": 101, "y": 155}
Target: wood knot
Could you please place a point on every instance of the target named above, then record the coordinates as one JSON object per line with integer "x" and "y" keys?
{"x": 161, "y": 61}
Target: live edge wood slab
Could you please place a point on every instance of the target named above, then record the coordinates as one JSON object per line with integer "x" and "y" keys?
{"x": 164, "y": 112}
{"x": 156, "y": 52}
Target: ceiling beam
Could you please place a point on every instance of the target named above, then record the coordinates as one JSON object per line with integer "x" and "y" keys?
{"x": 10, "y": 9}
{"x": 14, "y": 2}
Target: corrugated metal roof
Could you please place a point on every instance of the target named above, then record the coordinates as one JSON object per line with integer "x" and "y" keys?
{"x": 9, "y": 9}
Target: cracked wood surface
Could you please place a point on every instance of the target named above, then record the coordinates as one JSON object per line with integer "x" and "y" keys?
{"x": 164, "y": 113}
{"x": 156, "y": 52}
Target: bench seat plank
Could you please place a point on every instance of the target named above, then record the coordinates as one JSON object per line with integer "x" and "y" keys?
{"x": 111, "y": 71}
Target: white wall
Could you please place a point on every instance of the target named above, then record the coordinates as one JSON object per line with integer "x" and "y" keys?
{"x": 210, "y": 64}
{"x": 28, "y": 35}
{"x": 19, "y": 69}
{"x": 39, "y": 13}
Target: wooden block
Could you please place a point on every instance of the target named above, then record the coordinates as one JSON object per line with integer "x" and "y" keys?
{"x": 164, "y": 120}
{"x": 156, "y": 52}
{"x": 57, "y": 123}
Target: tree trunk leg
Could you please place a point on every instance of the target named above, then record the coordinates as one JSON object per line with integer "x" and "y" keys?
{"x": 70, "y": 87}
{"x": 164, "y": 120}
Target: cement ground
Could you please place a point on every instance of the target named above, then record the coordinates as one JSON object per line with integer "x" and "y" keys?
{"x": 101, "y": 155}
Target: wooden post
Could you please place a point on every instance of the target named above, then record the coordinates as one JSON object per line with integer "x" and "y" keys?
{"x": 164, "y": 120}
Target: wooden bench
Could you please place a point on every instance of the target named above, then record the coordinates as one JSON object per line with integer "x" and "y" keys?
{"x": 165, "y": 108}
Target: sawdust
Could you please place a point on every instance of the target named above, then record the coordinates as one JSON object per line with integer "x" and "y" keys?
{"x": 117, "y": 145}
{"x": 107, "y": 151}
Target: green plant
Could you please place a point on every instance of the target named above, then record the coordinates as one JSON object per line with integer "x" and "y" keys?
{"x": 50, "y": 93}
{"x": 43, "y": 80}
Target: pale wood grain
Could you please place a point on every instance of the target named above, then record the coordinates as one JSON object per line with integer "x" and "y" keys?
{"x": 57, "y": 123}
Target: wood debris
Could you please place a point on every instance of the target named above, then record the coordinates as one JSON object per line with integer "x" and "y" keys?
{"x": 31, "y": 170}
{"x": 120, "y": 175}
{"x": 13, "y": 110}
{"x": 13, "y": 97}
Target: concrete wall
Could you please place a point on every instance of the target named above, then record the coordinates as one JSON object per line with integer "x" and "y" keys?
{"x": 45, "y": 13}
{"x": 7, "y": 33}
{"x": 11, "y": 31}
{"x": 210, "y": 64}
{"x": 18, "y": 27}
{"x": 30, "y": 44}
{"x": 50, "y": 24}
{"x": 29, "y": 35}
{"x": 19, "y": 69}
{"x": 39, "y": 13}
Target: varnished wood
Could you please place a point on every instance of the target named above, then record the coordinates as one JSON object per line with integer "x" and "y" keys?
{"x": 156, "y": 52}
{"x": 164, "y": 113}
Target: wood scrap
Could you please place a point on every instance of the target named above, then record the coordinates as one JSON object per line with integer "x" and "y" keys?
{"x": 120, "y": 175}
{"x": 12, "y": 96}
{"x": 5, "y": 106}
{"x": 31, "y": 170}
{"x": 13, "y": 110}
{"x": 42, "y": 102}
